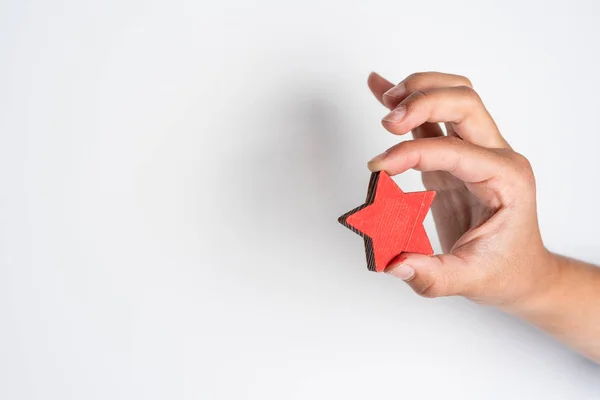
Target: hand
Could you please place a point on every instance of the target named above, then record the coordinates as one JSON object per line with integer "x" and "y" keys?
{"x": 485, "y": 208}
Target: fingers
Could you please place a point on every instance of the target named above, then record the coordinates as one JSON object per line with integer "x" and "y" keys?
{"x": 460, "y": 106}
{"x": 432, "y": 93}
{"x": 378, "y": 85}
{"x": 421, "y": 81}
{"x": 417, "y": 82}
{"x": 487, "y": 173}
{"x": 443, "y": 275}
{"x": 390, "y": 95}
{"x": 464, "y": 160}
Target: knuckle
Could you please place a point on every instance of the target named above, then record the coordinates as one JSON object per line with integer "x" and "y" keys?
{"x": 523, "y": 167}
{"x": 469, "y": 93}
{"x": 521, "y": 160}
{"x": 429, "y": 290}
{"x": 418, "y": 79}
{"x": 465, "y": 81}
{"x": 452, "y": 141}
{"x": 414, "y": 80}
{"x": 519, "y": 178}
{"x": 416, "y": 100}
{"x": 431, "y": 286}
{"x": 415, "y": 96}
{"x": 404, "y": 146}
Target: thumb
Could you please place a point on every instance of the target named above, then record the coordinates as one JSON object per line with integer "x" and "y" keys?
{"x": 432, "y": 276}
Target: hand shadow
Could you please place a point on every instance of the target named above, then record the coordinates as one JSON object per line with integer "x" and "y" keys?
{"x": 295, "y": 181}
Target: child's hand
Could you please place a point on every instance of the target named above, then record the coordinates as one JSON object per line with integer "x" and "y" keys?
{"x": 485, "y": 208}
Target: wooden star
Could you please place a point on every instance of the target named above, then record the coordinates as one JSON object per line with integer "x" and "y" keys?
{"x": 390, "y": 221}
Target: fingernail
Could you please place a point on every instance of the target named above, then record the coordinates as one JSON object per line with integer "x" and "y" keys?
{"x": 404, "y": 272}
{"x": 397, "y": 91}
{"x": 378, "y": 158}
{"x": 396, "y": 115}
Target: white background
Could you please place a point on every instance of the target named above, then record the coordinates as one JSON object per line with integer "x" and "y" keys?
{"x": 171, "y": 174}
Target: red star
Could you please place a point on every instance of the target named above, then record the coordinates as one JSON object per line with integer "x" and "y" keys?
{"x": 390, "y": 221}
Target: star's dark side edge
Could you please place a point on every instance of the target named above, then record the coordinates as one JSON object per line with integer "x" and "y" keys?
{"x": 368, "y": 241}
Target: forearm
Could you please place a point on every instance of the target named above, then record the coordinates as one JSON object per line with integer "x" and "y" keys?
{"x": 567, "y": 305}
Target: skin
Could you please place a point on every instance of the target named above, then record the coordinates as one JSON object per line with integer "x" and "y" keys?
{"x": 485, "y": 212}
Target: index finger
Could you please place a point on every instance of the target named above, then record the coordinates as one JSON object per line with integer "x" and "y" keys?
{"x": 486, "y": 172}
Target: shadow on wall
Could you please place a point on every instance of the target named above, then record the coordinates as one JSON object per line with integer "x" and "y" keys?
{"x": 296, "y": 180}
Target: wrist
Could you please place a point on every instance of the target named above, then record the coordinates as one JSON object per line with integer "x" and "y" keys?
{"x": 544, "y": 288}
